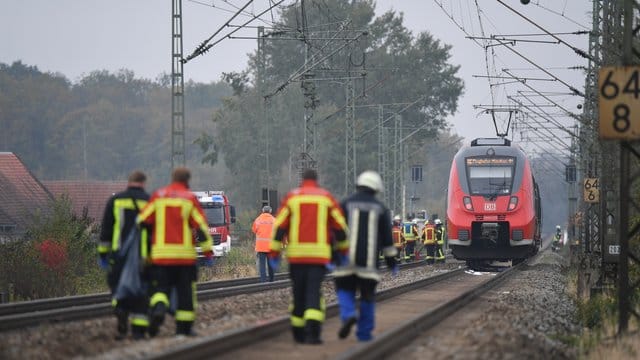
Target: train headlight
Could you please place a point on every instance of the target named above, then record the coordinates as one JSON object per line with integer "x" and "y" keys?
{"x": 467, "y": 203}
{"x": 513, "y": 202}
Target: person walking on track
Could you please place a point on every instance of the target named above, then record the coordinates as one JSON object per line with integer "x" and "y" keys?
{"x": 263, "y": 228}
{"x": 118, "y": 221}
{"x": 369, "y": 223}
{"x": 313, "y": 222}
{"x": 173, "y": 212}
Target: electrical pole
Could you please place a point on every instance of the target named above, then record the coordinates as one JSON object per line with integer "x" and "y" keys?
{"x": 350, "y": 140}
{"x": 178, "y": 157}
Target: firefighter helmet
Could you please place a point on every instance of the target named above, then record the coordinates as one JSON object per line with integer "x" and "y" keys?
{"x": 438, "y": 222}
{"x": 370, "y": 179}
{"x": 397, "y": 218}
{"x": 266, "y": 209}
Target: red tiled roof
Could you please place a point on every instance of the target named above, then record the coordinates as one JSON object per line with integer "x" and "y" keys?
{"x": 90, "y": 195}
{"x": 21, "y": 194}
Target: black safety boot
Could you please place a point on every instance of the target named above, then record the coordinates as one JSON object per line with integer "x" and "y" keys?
{"x": 123, "y": 322}
{"x": 313, "y": 330}
{"x": 157, "y": 318}
{"x": 346, "y": 327}
{"x": 184, "y": 328}
{"x": 137, "y": 332}
{"x": 298, "y": 334}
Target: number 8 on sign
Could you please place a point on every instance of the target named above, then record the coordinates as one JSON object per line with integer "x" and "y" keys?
{"x": 619, "y": 102}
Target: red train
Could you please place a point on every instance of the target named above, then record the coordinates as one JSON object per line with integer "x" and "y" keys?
{"x": 493, "y": 204}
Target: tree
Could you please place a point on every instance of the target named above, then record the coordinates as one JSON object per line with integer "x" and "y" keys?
{"x": 406, "y": 67}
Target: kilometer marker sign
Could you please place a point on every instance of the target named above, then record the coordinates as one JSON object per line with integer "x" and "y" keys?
{"x": 619, "y": 102}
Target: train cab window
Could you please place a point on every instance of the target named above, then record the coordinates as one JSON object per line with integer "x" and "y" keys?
{"x": 490, "y": 176}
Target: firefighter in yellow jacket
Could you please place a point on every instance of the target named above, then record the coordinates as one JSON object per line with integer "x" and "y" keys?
{"x": 173, "y": 211}
{"x": 397, "y": 237}
{"x": 429, "y": 241}
{"x": 314, "y": 223}
{"x": 411, "y": 234}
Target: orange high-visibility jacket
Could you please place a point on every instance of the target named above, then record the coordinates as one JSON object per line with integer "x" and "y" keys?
{"x": 174, "y": 211}
{"x": 307, "y": 216}
{"x": 263, "y": 228}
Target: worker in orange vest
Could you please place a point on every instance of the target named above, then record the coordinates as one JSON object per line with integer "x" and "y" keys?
{"x": 263, "y": 228}
{"x": 429, "y": 241}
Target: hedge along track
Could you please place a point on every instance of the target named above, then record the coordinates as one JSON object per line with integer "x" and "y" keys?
{"x": 28, "y": 313}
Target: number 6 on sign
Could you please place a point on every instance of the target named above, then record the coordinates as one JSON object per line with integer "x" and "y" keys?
{"x": 619, "y": 102}
{"x": 591, "y": 190}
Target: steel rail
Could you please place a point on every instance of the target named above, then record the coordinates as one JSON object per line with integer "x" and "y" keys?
{"x": 395, "y": 338}
{"x": 90, "y": 306}
{"x": 209, "y": 347}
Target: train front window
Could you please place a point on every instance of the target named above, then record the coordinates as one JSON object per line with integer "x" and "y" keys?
{"x": 490, "y": 176}
{"x": 214, "y": 213}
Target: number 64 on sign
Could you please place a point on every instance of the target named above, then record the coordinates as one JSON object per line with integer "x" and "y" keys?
{"x": 619, "y": 102}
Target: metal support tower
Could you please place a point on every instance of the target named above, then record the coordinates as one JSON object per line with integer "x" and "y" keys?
{"x": 350, "y": 140}
{"x": 629, "y": 179}
{"x": 264, "y": 127}
{"x": 383, "y": 155}
{"x": 178, "y": 157}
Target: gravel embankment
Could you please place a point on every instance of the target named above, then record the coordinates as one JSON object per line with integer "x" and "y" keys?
{"x": 95, "y": 338}
{"x": 526, "y": 317}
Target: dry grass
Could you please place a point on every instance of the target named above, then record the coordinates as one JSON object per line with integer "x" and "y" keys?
{"x": 626, "y": 347}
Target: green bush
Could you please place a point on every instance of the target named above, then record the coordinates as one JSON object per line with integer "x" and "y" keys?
{"x": 55, "y": 257}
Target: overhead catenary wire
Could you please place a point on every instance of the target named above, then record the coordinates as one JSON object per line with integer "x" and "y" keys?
{"x": 205, "y": 46}
{"x": 575, "y": 49}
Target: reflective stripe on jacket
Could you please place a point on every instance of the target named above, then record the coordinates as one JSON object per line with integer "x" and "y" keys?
{"x": 307, "y": 216}
{"x": 410, "y": 231}
{"x": 396, "y": 234}
{"x": 263, "y": 228}
{"x": 429, "y": 234}
{"x": 119, "y": 219}
{"x": 174, "y": 211}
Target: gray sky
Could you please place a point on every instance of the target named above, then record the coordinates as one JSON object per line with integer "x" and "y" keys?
{"x": 75, "y": 37}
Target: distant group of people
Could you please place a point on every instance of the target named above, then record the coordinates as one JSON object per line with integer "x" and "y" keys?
{"x": 158, "y": 233}
{"x": 407, "y": 234}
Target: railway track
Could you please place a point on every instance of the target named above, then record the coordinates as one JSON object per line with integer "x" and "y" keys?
{"x": 402, "y": 312}
{"x": 71, "y": 308}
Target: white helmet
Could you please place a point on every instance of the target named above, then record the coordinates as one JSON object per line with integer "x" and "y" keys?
{"x": 557, "y": 227}
{"x": 370, "y": 179}
{"x": 266, "y": 209}
{"x": 438, "y": 221}
{"x": 397, "y": 218}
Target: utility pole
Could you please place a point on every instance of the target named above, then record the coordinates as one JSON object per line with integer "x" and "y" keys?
{"x": 350, "y": 140}
{"x": 178, "y": 157}
{"x": 618, "y": 107}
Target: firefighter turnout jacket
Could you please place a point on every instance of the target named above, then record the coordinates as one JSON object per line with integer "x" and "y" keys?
{"x": 119, "y": 219}
{"x": 307, "y": 216}
{"x": 429, "y": 234}
{"x": 410, "y": 231}
{"x": 263, "y": 228}
{"x": 396, "y": 235}
{"x": 173, "y": 211}
{"x": 369, "y": 224}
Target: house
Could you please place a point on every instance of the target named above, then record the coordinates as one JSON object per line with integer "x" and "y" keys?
{"x": 88, "y": 198}
{"x": 22, "y": 197}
